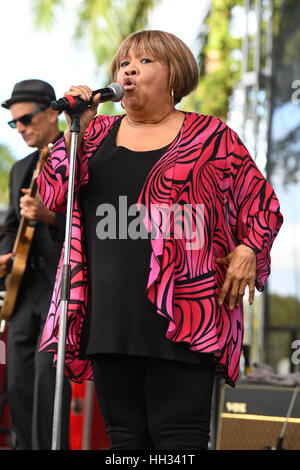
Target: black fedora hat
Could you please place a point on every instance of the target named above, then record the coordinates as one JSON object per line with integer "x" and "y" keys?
{"x": 36, "y": 91}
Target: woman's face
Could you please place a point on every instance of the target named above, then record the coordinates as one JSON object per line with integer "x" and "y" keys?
{"x": 145, "y": 80}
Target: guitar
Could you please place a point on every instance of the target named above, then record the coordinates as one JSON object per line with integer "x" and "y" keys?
{"x": 20, "y": 250}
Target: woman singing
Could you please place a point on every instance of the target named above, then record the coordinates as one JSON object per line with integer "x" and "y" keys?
{"x": 172, "y": 221}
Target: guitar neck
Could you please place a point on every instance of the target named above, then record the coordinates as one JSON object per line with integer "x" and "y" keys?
{"x": 33, "y": 187}
{"x": 20, "y": 235}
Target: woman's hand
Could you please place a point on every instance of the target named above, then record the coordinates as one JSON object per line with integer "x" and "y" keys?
{"x": 241, "y": 272}
{"x": 85, "y": 93}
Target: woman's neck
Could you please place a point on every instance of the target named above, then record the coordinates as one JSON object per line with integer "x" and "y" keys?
{"x": 140, "y": 119}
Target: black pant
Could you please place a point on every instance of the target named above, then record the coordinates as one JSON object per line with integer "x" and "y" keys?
{"x": 30, "y": 373}
{"x": 149, "y": 403}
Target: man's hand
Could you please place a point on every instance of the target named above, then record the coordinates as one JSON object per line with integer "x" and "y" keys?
{"x": 241, "y": 272}
{"x": 4, "y": 263}
{"x": 33, "y": 209}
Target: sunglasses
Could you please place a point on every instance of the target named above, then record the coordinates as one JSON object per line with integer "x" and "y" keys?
{"x": 26, "y": 119}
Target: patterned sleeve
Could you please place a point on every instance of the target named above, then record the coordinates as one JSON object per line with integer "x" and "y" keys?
{"x": 54, "y": 177}
{"x": 254, "y": 211}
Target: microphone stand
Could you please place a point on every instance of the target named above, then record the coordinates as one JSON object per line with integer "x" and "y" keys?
{"x": 75, "y": 114}
{"x": 289, "y": 412}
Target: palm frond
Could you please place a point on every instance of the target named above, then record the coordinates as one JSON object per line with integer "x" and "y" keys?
{"x": 44, "y": 13}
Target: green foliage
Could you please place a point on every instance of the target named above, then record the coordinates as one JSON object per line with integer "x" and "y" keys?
{"x": 6, "y": 162}
{"x": 284, "y": 316}
{"x": 44, "y": 12}
{"x": 102, "y": 23}
{"x": 284, "y": 311}
{"x": 62, "y": 123}
{"x": 105, "y": 23}
{"x": 219, "y": 69}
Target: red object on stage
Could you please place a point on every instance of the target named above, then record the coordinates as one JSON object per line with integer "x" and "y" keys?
{"x": 87, "y": 430}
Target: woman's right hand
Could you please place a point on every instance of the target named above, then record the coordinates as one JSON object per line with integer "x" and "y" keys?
{"x": 85, "y": 93}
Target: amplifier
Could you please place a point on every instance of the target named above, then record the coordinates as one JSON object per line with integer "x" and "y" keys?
{"x": 257, "y": 417}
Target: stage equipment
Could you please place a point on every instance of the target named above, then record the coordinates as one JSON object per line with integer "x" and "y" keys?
{"x": 87, "y": 429}
{"x": 258, "y": 417}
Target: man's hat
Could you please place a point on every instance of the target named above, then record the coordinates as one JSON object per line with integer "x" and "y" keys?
{"x": 36, "y": 91}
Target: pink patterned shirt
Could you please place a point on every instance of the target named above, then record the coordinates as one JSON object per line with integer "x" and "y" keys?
{"x": 206, "y": 166}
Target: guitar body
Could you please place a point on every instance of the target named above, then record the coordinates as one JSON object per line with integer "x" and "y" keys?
{"x": 14, "y": 278}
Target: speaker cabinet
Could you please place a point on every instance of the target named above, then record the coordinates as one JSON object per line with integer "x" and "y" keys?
{"x": 254, "y": 417}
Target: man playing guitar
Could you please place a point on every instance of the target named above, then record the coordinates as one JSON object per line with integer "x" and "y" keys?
{"x": 30, "y": 373}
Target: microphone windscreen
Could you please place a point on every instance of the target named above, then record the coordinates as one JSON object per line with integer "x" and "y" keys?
{"x": 119, "y": 91}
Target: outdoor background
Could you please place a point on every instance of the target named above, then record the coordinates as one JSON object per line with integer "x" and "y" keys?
{"x": 69, "y": 42}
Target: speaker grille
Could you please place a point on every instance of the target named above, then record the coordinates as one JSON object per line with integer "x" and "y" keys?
{"x": 254, "y": 417}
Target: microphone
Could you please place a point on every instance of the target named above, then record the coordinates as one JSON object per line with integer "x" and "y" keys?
{"x": 113, "y": 92}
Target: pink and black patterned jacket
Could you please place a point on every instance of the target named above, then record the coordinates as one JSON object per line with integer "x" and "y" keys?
{"x": 207, "y": 165}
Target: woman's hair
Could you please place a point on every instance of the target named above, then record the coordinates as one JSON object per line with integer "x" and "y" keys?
{"x": 170, "y": 51}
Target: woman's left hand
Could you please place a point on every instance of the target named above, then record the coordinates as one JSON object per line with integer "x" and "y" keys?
{"x": 241, "y": 272}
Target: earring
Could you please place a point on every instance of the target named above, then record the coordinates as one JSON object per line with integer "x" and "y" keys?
{"x": 172, "y": 96}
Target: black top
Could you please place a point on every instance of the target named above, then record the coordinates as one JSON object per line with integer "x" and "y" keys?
{"x": 121, "y": 319}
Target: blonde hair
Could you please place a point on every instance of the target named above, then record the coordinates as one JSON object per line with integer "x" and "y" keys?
{"x": 170, "y": 51}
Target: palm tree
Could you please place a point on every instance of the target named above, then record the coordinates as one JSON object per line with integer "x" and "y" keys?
{"x": 219, "y": 69}
{"x": 104, "y": 23}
